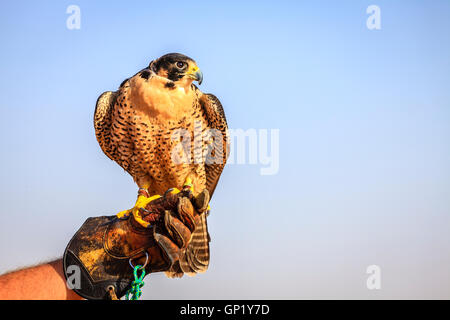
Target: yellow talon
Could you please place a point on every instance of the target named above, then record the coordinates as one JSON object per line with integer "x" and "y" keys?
{"x": 138, "y": 218}
{"x": 123, "y": 214}
{"x": 141, "y": 202}
{"x": 188, "y": 183}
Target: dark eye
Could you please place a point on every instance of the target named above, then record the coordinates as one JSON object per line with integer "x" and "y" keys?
{"x": 180, "y": 64}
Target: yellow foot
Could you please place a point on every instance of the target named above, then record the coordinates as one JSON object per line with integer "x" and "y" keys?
{"x": 141, "y": 202}
{"x": 173, "y": 190}
{"x": 188, "y": 184}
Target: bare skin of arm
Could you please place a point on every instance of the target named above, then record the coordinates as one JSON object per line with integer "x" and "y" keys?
{"x": 42, "y": 282}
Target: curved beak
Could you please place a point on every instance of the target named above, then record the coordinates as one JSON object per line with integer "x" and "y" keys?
{"x": 196, "y": 74}
{"x": 199, "y": 76}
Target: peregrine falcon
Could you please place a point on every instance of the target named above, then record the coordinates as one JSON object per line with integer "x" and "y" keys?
{"x": 137, "y": 125}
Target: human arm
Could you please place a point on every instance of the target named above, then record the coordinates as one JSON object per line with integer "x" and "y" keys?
{"x": 42, "y": 282}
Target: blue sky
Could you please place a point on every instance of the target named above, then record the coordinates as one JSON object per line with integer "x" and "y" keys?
{"x": 364, "y": 138}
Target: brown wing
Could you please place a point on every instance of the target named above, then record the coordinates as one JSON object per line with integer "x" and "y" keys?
{"x": 111, "y": 129}
{"x": 102, "y": 121}
{"x": 215, "y": 117}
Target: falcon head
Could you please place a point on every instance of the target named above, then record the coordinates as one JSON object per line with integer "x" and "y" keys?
{"x": 178, "y": 68}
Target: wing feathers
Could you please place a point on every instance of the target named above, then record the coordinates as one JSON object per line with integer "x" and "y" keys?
{"x": 102, "y": 121}
{"x": 216, "y": 120}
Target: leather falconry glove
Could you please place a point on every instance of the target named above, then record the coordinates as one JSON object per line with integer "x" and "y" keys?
{"x": 106, "y": 249}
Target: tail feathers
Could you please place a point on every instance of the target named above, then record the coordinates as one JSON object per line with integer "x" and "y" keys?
{"x": 195, "y": 258}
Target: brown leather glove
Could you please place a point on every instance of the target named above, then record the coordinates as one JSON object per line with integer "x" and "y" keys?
{"x": 105, "y": 249}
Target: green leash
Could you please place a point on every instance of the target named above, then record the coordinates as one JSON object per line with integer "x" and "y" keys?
{"x": 136, "y": 286}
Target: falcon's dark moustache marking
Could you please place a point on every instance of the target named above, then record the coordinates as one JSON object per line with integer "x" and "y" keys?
{"x": 174, "y": 75}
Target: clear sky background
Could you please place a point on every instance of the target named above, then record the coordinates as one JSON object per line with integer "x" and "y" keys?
{"x": 364, "y": 119}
